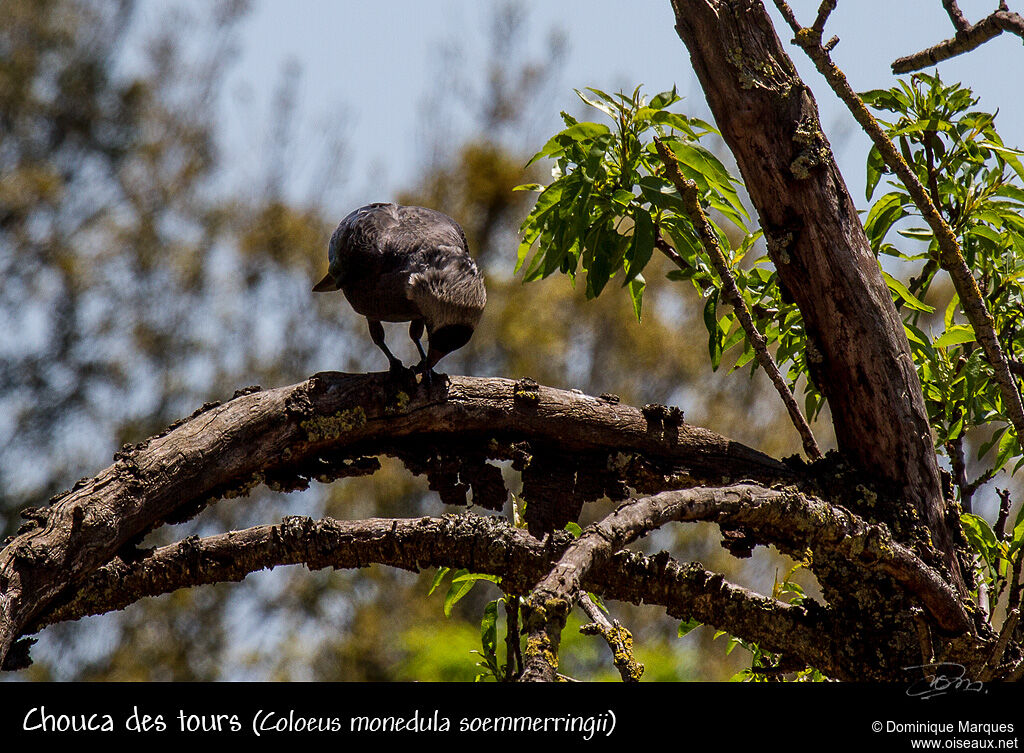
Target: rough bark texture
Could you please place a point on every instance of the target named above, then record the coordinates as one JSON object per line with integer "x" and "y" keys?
{"x": 859, "y": 355}
{"x": 326, "y": 428}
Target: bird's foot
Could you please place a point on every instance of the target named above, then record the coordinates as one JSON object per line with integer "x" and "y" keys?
{"x": 426, "y": 371}
{"x": 402, "y": 374}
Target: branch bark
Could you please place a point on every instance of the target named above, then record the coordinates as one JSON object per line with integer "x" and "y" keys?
{"x": 797, "y": 524}
{"x": 859, "y": 358}
{"x": 968, "y": 37}
{"x": 325, "y": 428}
{"x": 481, "y": 544}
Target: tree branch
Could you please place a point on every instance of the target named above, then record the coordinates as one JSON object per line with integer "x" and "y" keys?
{"x": 951, "y": 256}
{"x": 481, "y": 544}
{"x": 324, "y": 429}
{"x": 731, "y": 293}
{"x": 967, "y": 38}
{"x": 792, "y": 521}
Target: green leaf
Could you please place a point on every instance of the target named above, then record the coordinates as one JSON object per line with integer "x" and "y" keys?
{"x": 465, "y": 576}
{"x": 622, "y": 197}
{"x": 489, "y": 633}
{"x": 955, "y": 335}
{"x": 457, "y": 591}
{"x": 947, "y": 318}
{"x": 577, "y": 132}
{"x": 876, "y": 166}
{"x": 438, "y": 577}
{"x": 574, "y": 529}
{"x": 1008, "y": 448}
{"x": 903, "y": 292}
{"x": 980, "y": 535}
{"x": 641, "y": 246}
{"x": 636, "y": 294}
{"x": 688, "y": 626}
{"x": 714, "y": 332}
{"x": 665, "y": 99}
{"x": 883, "y": 214}
{"x": 661, "y": 194}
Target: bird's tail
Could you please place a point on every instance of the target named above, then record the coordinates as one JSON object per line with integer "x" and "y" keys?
{"x": 326, "y": 284}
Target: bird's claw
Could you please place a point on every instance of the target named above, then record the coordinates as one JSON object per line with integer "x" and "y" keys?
{"x": 398, "y": 370}
{"x": 426, "y": 371}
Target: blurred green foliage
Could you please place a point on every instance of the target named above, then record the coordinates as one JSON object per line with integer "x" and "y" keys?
{"x": 140, "y": 283}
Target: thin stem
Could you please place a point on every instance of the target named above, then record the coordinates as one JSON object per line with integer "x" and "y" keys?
{"x": 731, "y": 294}
{"x": 968, "y": 37}
{"x": 619, "y": 640}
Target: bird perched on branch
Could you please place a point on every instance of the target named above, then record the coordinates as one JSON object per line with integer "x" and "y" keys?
{"x": 407, "y": 264}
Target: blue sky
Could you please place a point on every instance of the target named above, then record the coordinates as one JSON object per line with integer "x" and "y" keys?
{"x": 370, "y": 65}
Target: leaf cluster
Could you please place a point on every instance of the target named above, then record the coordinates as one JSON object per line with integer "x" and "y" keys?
{"x": 976, "y": 182}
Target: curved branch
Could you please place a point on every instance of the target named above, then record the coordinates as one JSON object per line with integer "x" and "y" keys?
{"x": 323, "y": 429}
{"x": 478, "y": 543}
{"x": 792, "y": 521}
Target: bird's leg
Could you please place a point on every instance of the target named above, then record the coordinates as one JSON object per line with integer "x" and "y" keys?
{"x": 416, "y": 332}
{"x": 377, "y": 335}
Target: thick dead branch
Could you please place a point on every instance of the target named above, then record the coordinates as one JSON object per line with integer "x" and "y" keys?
{"x": 326, "y": 428}
{"x": 794, "y": 522}
{"x": 968, "y": 37}
{"x": 481, "y": 544}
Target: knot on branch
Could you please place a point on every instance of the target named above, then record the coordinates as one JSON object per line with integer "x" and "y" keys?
{"x": 526, "y": 390}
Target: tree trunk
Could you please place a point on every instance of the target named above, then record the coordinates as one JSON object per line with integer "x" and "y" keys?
{"x": 859, "y": 355}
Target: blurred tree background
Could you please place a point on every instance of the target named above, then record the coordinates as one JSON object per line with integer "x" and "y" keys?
{"x": 140, "y": 280}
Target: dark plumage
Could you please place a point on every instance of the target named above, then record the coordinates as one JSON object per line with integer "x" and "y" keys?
{"x": 407, "y": 264}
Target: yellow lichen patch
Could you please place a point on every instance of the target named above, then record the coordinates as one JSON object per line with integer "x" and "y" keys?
{"x": 401, "y": 403}
{"x": 622, "y": 639}
{"x": 540, "y": 647}
{"x": 320, "y": 428}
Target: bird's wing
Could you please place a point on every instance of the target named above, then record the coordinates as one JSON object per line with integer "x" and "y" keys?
{"x": 357, "y": 248}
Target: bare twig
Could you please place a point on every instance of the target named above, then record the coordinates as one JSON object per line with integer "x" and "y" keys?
{"x": 824, "y": 11}
{"x": 995, "y": 657}
{"x": 951, "y": 255}
{"x": 955, "y": 450}
{"x": 956, "y": 15}
{"x": 513, "y": 651}
{"x": 619, "y": 640}
{"x": 967, "y": 38}
{"x": 731, "y": 294}
{"x": 1004, "y": 513}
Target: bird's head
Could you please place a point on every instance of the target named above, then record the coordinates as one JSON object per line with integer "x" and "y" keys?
{"x": 451, "y": 299}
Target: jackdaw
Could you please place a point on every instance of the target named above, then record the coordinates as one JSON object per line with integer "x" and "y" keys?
{"x": 407, "y": 264}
